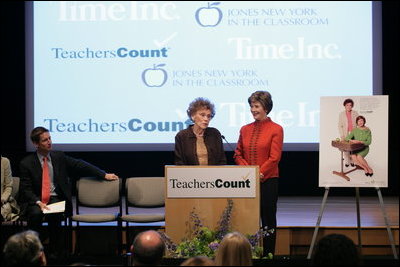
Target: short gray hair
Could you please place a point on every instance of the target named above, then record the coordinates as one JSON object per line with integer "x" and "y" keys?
{"x": 200, "y": 103}
{"x": 23, "y": 249}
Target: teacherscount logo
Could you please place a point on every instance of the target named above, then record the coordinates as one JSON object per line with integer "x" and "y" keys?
{"x": 209, "y": 16}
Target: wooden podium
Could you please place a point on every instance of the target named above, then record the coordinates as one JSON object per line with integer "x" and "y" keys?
{"x": 204, "y": 189}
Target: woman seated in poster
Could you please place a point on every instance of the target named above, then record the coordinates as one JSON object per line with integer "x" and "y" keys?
{"x": 361, "y": 135}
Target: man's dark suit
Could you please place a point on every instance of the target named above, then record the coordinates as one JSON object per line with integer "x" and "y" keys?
{"x": 63, "y": 168}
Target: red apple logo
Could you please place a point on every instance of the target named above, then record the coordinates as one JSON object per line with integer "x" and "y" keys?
{"x": 209, "y": 16}
{"x": 155, "y": 76}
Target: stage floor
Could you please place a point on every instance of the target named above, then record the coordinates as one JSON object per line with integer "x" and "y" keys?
{"x": 300, "y": 211}
{"x": 338, "y": 212}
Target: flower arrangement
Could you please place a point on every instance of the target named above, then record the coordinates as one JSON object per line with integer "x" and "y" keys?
{"x": 205, "y": 241}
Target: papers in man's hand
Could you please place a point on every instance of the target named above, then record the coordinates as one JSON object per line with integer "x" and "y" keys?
{"x": 55, "y": 207}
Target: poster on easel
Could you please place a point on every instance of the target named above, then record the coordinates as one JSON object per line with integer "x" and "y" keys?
{"x": 353, "y": 148}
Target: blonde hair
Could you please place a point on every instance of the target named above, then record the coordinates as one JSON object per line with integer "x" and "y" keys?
{"x": 234, "y": 250}
{"x": 198, "y": 261}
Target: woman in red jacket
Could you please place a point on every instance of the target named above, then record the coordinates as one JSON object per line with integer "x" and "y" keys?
{"x": 260, "y": 143}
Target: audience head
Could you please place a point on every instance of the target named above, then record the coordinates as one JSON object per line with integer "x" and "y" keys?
{"x": 24, "y": 249}
{"x": 198, "y": 261}
{"x": 264, "y": 98}
{"x": 234, "y": 250}
{"x": 335, "y": 250}
{"x": 147, "y": 248}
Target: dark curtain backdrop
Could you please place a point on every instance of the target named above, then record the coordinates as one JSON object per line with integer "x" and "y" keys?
{"x": 299, "y": 170}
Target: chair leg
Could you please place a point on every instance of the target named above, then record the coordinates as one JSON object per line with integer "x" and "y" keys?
{"x": 67, "y": 235}
{"x": 77, "y": 239}
{"x": 74, "y": 238}
{"x": 127, "y": 244}
{"x": 119, "y": 238}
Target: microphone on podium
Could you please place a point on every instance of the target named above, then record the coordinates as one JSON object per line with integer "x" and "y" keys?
{"x": 226, "y": 141}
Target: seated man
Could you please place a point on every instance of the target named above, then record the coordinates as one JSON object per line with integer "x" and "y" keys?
{"x": 45, "y": 180}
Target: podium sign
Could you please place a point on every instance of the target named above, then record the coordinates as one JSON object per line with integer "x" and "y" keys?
{"x": 211, "y": 182}
{"x": 206, "y": 189}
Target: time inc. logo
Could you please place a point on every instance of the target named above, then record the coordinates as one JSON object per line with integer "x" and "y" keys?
{"x": 132, "y": 10}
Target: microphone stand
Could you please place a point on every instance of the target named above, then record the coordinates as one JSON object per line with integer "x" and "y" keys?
{"x": 230, "y": 146}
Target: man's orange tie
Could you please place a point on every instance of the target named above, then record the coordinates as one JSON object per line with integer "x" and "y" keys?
{"x": 45, "y": 182}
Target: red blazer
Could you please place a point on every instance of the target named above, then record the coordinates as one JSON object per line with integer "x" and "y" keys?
{"x": 260, "y": 143}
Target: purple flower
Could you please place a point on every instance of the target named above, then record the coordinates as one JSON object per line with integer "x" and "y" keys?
{"x": 213, "y": 245}
{"x": 225, "y": 221}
